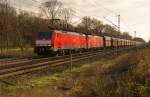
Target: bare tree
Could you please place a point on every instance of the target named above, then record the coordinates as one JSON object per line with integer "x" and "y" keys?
{"x": 52, "y": 8}
{"x": 7, "y": 14}
{"x": 67, "y": 15}
{"x": 126, "y": 35}
{"x": 91, "y": 25}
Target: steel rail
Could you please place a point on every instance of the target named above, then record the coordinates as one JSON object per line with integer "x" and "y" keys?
{"x": 6, "y": 68}
{"x": 25, "y": 68}
{"x": 23, "y": 61}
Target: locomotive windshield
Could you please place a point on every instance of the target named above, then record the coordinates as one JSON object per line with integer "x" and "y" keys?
{"x": 44, "y": 35}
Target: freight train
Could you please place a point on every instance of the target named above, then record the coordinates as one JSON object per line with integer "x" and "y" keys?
{"x": 62, "y": 42}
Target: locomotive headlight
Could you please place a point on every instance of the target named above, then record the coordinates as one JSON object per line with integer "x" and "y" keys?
{"x": 49, "y": 42}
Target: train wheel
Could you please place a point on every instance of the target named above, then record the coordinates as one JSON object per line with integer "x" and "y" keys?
{"x": 39, "y": 54}
{"x": 80, "y": 51}
{"x": 63, "y": 53}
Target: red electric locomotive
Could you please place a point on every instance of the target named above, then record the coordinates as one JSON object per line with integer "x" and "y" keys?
{"x": 59, "y": 42}
{"x": 94, "y": 42}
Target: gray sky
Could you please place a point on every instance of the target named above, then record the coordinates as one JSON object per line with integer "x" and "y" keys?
{"x": 134, "y": 13}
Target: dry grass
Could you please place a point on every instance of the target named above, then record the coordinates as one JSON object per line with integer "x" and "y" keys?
{"x": 16, "y": 52}
{"x": 126, "y": 76}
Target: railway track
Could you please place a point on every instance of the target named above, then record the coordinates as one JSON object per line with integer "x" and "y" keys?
{"x": 17, "y": 61}
{"x": 25, "y": 66}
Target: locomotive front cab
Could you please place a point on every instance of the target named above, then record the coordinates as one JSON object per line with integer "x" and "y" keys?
{"x": 43, "y": 42}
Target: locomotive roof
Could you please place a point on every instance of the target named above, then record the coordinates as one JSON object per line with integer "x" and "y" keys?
{"x": 73, "y": 33}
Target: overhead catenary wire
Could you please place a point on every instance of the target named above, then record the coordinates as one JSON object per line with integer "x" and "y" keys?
{"x": 102, "y": 6}
{"x": 128, "y": 27}
{"x": 94, "y": 3}
{"x": 18, "y": 6}
{"x": 36, "y": 7}
{"x": 113, "y": 12}
{"x": 28, "y": 3}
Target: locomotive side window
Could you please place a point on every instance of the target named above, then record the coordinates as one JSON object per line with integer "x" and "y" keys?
{"x": 45, "y": 35}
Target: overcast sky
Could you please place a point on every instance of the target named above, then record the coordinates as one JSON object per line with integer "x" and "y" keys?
{"x": 135, "y": 14}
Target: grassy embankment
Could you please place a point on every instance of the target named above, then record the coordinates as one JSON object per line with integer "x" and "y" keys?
{"x": 16, "y": 52}
{"x": 125, "y": 76}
